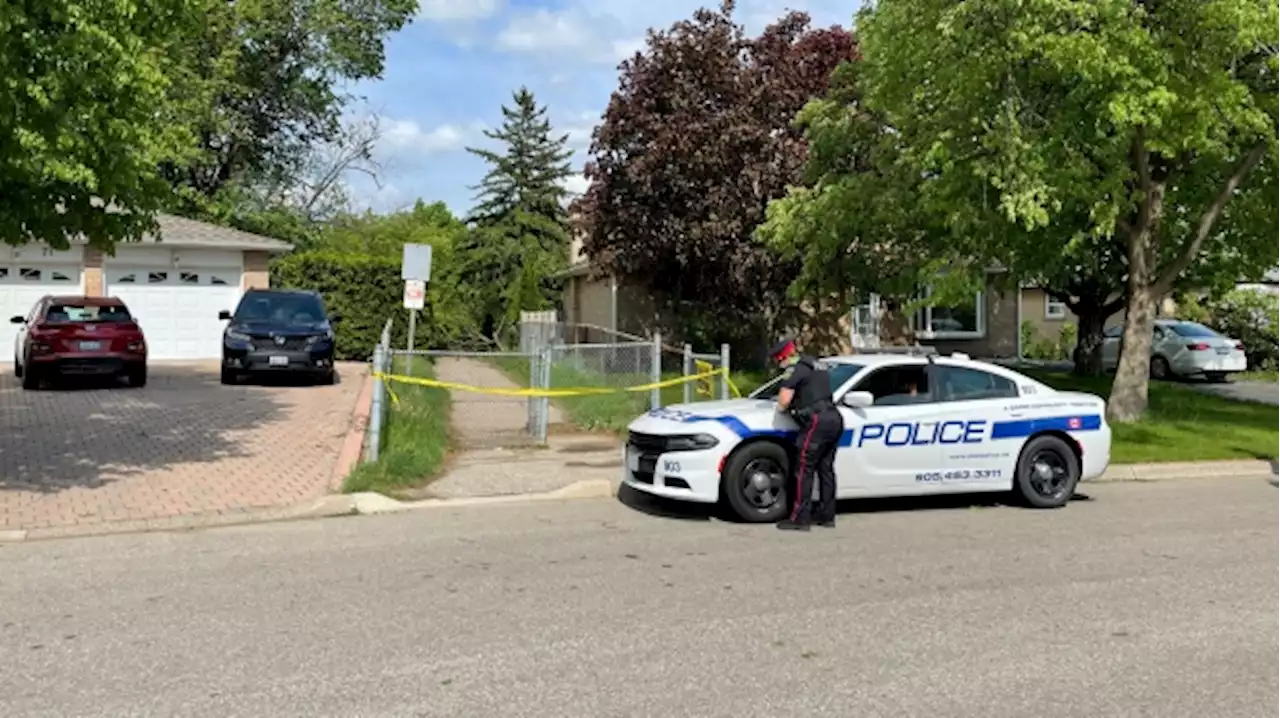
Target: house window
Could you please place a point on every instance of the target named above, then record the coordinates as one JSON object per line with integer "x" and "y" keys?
{"x": 127, "y": 279}
{"x": 216, "y": 280}
{"x": 189, "y": 278}
{"x": 963, "y": 321}
{"x": 60, "y": 277}
{"x": 29, "y": 274}
{"x": 157, "y": 277}
{"x": 1054, "y": 309}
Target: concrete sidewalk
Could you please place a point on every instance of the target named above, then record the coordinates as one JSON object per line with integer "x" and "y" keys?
{"x": 495, "y": 455}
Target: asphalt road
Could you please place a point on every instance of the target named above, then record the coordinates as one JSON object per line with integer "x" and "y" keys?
{"x": 1154, "y": 599}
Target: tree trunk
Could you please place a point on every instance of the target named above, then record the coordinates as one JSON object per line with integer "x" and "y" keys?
{"x": 1091, "y": 317}
{"x": 1128, "y": 398}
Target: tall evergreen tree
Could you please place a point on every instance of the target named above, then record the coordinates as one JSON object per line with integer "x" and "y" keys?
{"x": 521, "y": 228}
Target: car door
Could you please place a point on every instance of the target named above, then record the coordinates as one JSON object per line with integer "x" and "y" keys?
{"x": 1111, "y": 346}
{"x": 20, "y": 339}
{"x": 890, "y": 446}
{"x": 975, "y": 399}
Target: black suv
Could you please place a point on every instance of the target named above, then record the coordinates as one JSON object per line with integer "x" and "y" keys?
{"x": 278, "y": 331}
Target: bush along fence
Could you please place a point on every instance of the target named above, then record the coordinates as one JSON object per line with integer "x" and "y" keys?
{"x": 505, "y": 398}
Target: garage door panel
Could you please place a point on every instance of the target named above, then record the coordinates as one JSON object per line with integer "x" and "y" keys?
{"x": 178, "y": 308}
{"x": 24, "y": 284}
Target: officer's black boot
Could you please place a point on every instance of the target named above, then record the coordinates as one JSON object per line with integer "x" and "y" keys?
{"x": 789, "y": 525}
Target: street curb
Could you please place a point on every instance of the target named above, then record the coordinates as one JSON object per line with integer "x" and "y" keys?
{"x": 368, "y": 503}
{"x": 1247, "y": 468}
{"x": 353, "y": 442}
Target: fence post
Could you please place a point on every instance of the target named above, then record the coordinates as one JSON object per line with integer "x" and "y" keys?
{"x": 544, "y": 382}
{"x": 375, "y": 408}
{"x": 655, "y": 371}
{"x": 724, "y": 378}
{"x": 535, "y": 373}
{"x": 686, "y": 369}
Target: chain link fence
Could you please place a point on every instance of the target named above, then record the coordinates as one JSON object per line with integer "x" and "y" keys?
{"x": 518, "y": 397}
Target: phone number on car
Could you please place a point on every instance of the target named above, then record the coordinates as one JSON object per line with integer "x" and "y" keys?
{"x": 958, "y": 475}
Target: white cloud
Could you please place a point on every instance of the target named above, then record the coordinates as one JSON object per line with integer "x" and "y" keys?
{"x": 458, "y": 10}
{"x": 407, "y": 136}
{"x": 575, "y": 184}
{"x": 608, "y": 31}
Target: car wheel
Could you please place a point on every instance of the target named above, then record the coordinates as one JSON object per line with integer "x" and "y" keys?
{"x": 1048, "y": 472}
{"x": 754, "y": 482}
{"x": 229, "y": 377}
{"x": 1215, "y": 377}
{"x": 31, "y": 378}
{"x": 137, "y": 376}
{"x": 328, "y": 378}
{"x": 1159, "y": 367}
{"x": 17, "y": 367}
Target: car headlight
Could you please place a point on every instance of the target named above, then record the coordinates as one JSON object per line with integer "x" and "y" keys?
{"x": 317, "y": 338}
{"x": 694, "y": 442}
{"x": 237, "y": 336}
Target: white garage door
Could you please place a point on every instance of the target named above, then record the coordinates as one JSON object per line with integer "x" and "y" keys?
{"x": 22, "y": 285}
{"x": 177, "y": 308}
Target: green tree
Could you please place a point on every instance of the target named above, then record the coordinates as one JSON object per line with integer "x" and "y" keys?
{"x": 269, "y": 77}
{"x": 448, "y": 316}
{"x": 1089, "y": 121}
{"x": 521, "y": 229}
{"x": 89, "y": 110}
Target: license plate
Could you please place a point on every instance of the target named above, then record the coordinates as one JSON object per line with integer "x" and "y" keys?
{"x": 1224, "y": 350}
{"x": 90, "y": 346}
{"x": 278, "y": 361}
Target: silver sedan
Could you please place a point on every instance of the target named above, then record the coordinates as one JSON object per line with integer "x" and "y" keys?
{"x": 1181, "y": 348}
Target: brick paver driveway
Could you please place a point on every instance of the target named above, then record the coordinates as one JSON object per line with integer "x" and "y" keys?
{"x": 184, "y": 445}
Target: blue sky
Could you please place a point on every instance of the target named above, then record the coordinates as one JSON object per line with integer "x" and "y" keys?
{"x": 451, "y": 69}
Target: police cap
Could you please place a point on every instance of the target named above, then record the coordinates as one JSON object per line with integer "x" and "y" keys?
{"x": 782, "y": 347}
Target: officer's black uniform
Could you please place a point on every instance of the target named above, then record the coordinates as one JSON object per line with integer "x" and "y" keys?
{"x": 820, "y": 430}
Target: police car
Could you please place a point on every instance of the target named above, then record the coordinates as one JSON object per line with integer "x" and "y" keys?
{"x": 913, "y": 425}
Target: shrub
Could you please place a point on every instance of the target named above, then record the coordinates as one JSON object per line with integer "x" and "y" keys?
{"x": 366, "y": 291}
{"x": 1037, "y": 347}
{"x": 1252, "y": 317}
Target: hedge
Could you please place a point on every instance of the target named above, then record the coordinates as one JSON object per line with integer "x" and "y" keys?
{"x": 365, "y": 291}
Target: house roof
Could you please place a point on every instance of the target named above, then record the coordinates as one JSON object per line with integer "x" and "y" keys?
{"x": 190, "y": 233}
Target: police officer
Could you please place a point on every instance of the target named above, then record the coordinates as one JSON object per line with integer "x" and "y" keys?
{"x": 805, "y": 395}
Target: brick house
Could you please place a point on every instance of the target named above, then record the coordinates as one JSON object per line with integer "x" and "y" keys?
{"x": 174, "y": 283}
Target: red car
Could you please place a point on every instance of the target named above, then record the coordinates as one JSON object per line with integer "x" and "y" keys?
{"x": 93, "y": 336}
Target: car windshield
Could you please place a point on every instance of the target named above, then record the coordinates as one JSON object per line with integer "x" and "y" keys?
{"x": 280, "y": 308}
{"x": 840, "y": 374}
{"x": 80, "y": 312}
{"x": 1193, "y": 329}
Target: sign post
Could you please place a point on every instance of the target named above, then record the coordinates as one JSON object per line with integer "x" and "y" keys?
{"x": 415, "y": 270}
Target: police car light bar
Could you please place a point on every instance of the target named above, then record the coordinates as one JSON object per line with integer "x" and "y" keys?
{"x": 916, "y": 350}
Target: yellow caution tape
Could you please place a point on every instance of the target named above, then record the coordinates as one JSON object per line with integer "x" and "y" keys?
{"x": 389, "y": 379}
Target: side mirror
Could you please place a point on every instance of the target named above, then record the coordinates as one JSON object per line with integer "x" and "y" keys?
{"x": 17, "y": 320}
{"x": 858, "y": 399}
{"x": 335, "y": 318}
{"x": 224, "y": 315}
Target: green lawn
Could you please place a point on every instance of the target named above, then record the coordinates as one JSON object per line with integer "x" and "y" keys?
{"x": 1182, "y": 424}
{"x": 1260, "y": 375}
{"x": 415, "y": 438}
{"x": 609, "y": 412}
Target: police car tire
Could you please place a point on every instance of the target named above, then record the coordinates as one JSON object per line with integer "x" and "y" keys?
{"x": 1022, "y": 481}
{"x": 731, "y": 482}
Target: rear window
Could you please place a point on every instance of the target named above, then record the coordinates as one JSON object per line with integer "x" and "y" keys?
{"x": 1193, "y": 329}
{"x": 77, "y": 312}
{"x": 280, "y": 308}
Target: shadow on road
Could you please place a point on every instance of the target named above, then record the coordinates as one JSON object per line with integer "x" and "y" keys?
{"x": 86, "y": 432}
{"x": 686, "y": 511}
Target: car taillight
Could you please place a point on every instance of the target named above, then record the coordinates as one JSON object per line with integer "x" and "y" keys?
{"x": 137, "y": 346}
{"x": 1198, "y": 347}
{"x": 40, "y": 348}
